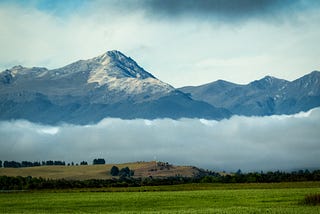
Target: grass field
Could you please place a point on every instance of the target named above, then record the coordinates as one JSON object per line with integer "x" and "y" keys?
{"x": 188, "y": 198}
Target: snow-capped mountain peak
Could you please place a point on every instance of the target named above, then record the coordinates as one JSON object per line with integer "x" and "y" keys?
{"x": 16, "y": 69}
{"x": 109, "y": 56}
{"x": 114, "y": 65}
{"x": 118, "y": 72}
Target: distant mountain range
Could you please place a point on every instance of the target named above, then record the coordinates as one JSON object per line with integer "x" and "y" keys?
{"x": 86, "y": 91}
{"x": 114, "y": 85}
{"x": 267, "y": 96}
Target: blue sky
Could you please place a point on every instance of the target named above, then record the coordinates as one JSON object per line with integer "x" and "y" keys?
{"x": 182, "y": 42}
{"x": 61, "y": 8}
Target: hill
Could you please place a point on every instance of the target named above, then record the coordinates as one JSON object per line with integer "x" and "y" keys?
{"x": 84, "y": 172}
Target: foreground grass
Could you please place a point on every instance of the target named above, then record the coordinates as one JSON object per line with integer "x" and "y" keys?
{"x": 204, "y": 198}
{"x": 312, "y": 199}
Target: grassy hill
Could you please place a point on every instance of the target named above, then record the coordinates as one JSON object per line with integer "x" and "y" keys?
{"x": 83, "y": 172}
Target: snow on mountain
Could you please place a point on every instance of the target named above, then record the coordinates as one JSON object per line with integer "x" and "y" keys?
{"x": 86, "y": 91}
{"x": 114, "y": 85}
{"x": 119, "y": 72}
{"x": 111, "y": 73}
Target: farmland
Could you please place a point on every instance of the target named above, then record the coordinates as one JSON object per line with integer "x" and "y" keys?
{"x": 144, "y": 197}
{"x": 141, "y": 169}
{"x": 188, "y": 198}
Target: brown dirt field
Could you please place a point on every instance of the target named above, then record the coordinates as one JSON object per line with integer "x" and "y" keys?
{"x": 141, "y": 169}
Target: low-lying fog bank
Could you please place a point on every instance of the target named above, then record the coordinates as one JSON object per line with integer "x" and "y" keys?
{"x": 247, "y": 143}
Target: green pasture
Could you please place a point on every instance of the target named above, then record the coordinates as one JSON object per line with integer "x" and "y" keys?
{"x": 189, "y": 198}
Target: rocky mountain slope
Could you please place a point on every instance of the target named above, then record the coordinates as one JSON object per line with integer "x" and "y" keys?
{"x": 266, "y": 96}
{"x": 86, "y": 91}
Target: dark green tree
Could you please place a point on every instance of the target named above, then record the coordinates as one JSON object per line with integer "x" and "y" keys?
{"x": 49, "y": 163}
{"x": 126, "y": 172}
{"x": 11, "y": 164}
{"x": 99, "y": 161}
{"x": 239, "y": 172}
{"x": 114, "y": 171}
{"x": 84, "y": 163}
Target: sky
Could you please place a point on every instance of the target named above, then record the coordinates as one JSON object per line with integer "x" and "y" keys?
{"x": 283, "y": 142}
{"x": 181, "y": 42}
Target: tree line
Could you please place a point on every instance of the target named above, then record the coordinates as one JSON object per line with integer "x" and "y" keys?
{"x": 259, "y": 177}
{"x": 17, "y": 164}
{"x": 31, "y": 183}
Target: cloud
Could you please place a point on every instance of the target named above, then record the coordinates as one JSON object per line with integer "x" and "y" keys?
{"x": 225, "y": 10}
{"x": 36, "y": 37}
{"x": 232, "y": 10}
{"x": 183, "y": 49}
{"x": 249, "y": 143}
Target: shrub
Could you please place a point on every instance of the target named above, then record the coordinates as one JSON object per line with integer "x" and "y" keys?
{"x": 114, "y": 171}
{"x": 312, "y": 199}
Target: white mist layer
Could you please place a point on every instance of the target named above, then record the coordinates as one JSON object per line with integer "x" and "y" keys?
{"x": 248, "y": 143}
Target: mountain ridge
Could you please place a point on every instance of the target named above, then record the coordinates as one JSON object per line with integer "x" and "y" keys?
{"x": 266, "y": 96}
{"x": 86, "y": 91}
{"x": 114, "y": 85}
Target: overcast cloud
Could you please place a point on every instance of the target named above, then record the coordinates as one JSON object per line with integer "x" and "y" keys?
{"x": 248, "y": 143}
{"x": 226, "y": 11}
{"x": 182, "y": 42}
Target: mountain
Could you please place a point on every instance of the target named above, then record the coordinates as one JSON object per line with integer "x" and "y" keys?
{"x": 267, "y": 96}
{"x": 86, "y": 91}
